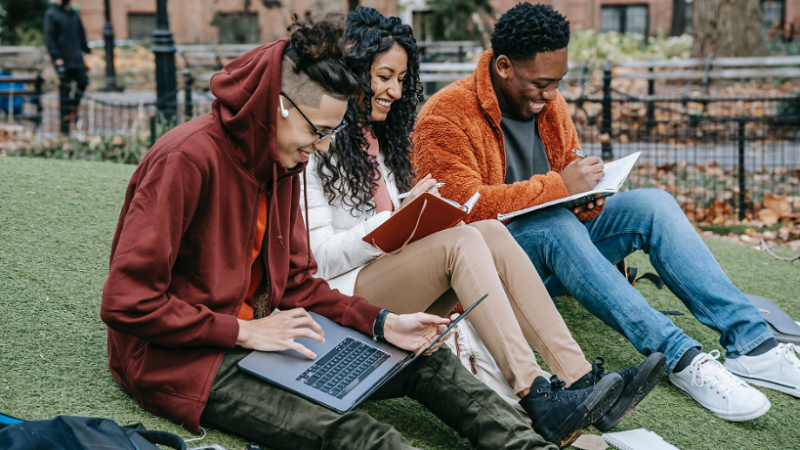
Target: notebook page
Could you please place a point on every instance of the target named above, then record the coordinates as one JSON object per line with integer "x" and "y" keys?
{"x": 638, "y": 439}
{"x": 616, "y": 172}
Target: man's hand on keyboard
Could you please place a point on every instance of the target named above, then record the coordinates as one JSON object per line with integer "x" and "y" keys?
{"x": 278, "y": 332}
{"x": 413, "y": 331}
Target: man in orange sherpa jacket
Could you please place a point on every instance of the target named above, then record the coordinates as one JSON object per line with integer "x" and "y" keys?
{"x": 505, "y": 132}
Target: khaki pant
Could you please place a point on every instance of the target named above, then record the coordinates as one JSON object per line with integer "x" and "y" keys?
{"x": 464, "y": 263}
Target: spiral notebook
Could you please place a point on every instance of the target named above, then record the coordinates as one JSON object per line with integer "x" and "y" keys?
{"x": 616, "y": 172}
{"x": 638, "y": 439}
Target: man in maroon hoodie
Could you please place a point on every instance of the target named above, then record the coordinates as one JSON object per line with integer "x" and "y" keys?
{"x": 211, "y": 240}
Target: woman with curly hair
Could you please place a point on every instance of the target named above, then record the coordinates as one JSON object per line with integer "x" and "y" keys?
{"x": 353, "y": 188}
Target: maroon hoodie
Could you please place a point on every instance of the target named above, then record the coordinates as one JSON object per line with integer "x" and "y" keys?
{"x": 180, "y": 259}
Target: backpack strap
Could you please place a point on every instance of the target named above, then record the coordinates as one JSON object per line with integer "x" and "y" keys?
{"x": 630, "y": 273}
{"x": 163, "y": 438}
{"x": 8, "y": 420}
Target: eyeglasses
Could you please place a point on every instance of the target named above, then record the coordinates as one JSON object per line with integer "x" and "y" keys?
{"x": 314, "y": 127}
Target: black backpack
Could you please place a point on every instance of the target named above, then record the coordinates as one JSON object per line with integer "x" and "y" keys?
{"x": 81, "y": 433}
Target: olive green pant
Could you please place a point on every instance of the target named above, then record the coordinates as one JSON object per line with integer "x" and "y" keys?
{"x": 246, "y": 406}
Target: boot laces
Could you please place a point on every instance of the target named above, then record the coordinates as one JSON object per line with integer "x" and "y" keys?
{"x": 598, "y": 369}
{"x": 558, "y": 391}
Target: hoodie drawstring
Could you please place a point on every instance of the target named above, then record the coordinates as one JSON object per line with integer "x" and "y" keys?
{"x": 305, "y": 203}
{"x": 274, "y": 200}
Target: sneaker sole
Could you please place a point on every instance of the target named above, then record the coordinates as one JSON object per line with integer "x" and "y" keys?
{"x": 741, "y": 417}
{"x": 646, "y": 379}
{"x": 768, "y": 384}
{"x": 602, "y": 398}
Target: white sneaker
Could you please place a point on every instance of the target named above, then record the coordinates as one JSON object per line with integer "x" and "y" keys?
{"x": 727, "y": 397}
{"x": 777, "y": 369}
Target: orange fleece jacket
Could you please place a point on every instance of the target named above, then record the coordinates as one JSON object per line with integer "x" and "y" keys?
{"x": 458, "y": 139}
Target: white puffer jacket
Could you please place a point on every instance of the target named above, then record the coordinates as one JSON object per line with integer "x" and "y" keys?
{"x": 336, "y": 234}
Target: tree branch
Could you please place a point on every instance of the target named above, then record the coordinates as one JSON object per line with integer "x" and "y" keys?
{"x": 765, "y": 248}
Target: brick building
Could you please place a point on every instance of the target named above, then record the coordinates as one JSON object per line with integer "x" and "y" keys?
{"x": 646, "y": 17}
{"x": 204, "y": 21}
{"x": 224, "y": 21}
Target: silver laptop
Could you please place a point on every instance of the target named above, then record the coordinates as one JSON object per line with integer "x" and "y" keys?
{"x": 350, "y": 366}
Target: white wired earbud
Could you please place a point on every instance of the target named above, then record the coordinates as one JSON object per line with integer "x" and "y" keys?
{"x": 284, "y": 112}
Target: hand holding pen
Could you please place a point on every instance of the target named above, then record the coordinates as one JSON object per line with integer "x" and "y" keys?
{"x": 425, "y": 184}
{"x": 406, "y": 194}
{"x": 582, "y": 175}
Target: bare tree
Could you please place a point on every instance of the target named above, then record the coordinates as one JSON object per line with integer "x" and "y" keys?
{"x": 727, "y": 28}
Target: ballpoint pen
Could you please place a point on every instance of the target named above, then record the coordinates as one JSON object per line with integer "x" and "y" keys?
{"x": 579, "y": 153}
{"x": 406, "y": 194}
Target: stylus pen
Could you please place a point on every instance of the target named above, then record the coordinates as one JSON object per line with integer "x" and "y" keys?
{"x": 406, "y": 194}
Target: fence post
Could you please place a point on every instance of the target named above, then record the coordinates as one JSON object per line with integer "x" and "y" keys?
{"x": 164, "y": 51}
{"x": 430, "y": 87}
{"x": 605, "y": 127}
{"x": 461, "y": 53}
{"x": 37, "y": 99}
{"x": 152, "y": 131}
{"x": 651, "y": 106}
{"x": 742, "y": 192}
{"x": 188, "y": 106}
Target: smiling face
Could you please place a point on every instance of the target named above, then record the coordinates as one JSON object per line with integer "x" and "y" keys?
{"x": 295, "y": 137}
{"x": 525, "y": 87}
{"x": 387, "y": 74}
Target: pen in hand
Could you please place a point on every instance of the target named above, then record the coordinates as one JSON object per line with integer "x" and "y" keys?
{"x": 579, "y": 153}
{"x": 406, "y": 194}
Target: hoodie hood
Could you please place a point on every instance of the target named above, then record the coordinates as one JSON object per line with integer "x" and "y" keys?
{"x": 247, "y": 91}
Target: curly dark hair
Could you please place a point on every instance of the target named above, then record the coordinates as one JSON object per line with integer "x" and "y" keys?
{"x": 525, "y": 30}
{"x": 346, "y": 170}
{"x": 316, "y": 46}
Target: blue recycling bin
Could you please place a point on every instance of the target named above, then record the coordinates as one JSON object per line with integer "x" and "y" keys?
{"x": 5, "y": 100}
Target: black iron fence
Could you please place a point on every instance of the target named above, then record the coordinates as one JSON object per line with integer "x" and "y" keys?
{"x": 718, "y": 154}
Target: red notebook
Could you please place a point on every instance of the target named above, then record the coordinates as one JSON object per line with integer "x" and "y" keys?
{"x": 426, "y": 215}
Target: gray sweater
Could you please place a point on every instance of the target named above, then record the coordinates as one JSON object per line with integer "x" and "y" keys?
{"x": 525, "y": 153}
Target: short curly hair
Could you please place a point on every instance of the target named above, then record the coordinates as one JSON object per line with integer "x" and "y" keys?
{"x": 525, "y": 30}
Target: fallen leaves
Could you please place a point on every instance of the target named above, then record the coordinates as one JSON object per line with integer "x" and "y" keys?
{"x": 768, "y": 216}
{"x": 779, "y": 206}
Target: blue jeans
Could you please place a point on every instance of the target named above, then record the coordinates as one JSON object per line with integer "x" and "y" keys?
{"x": 582, "y": 257}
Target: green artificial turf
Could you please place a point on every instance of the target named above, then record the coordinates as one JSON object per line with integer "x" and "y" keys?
{"x": 57, "y": 219}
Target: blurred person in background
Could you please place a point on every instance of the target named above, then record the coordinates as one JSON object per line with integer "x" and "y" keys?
{"x": 66, "y": 42}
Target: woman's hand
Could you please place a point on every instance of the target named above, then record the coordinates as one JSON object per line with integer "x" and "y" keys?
{"x": 414, "y": 331}
{"x": 278, "y": 332}
{"x": 423, "y": 185}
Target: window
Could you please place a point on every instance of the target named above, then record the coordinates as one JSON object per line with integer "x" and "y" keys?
{"x": 422, "y": 24}
{"x": 772, "y": 11}
{"x": 238, "y": 28}
{"x": 624, "y": 19}
{"x": 141, "y": 26}
{"x": 688, "y": 18}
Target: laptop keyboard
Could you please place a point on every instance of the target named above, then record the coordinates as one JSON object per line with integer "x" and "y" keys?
{"x": 341, "y": 369}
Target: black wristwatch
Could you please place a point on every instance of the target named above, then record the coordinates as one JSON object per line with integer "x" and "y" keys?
{"x": 377, "y": 327}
